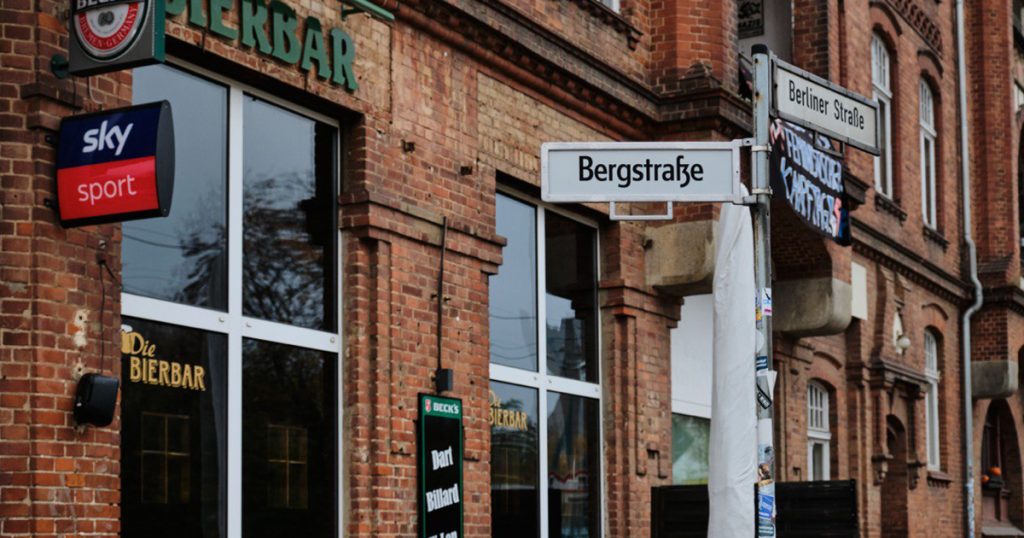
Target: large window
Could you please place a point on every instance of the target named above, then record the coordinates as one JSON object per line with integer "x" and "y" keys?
{"x": 691, "y": 439}
{"x": 881, "y": 86}
{"x": 928, "y": 149}
{"x": 691, "y": 351}
{"x": 819, "y": 437}
{"x": 931, "y": 409}
{"x": 231, "y": 344}
{"x": 545, "y": 392}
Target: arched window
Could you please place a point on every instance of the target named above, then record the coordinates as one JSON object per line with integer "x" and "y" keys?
{"x": 928, "y": 149}
{"x": 819, "y": 436}
{"x": 881, "y": 86}
{"x": 931, "y": 410}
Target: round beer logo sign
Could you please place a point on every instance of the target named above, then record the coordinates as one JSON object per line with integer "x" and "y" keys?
{"x": 105, "y": 29}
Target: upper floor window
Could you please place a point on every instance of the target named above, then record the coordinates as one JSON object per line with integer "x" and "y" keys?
{"x": 928, "y": 136}
{"x": 819, "y": 436}
{"x": 931, "y": 371}
{"x": 881, "y": 67}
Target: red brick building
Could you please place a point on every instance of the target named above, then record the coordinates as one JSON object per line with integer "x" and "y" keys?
{"x": 319, "y": 205}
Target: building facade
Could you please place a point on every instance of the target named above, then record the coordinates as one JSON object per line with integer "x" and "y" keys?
{"x": 357, "y": 206}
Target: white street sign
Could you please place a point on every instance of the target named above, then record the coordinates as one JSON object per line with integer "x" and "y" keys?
{"x": 822, "y": 106}
{"x": 640, "y": 171}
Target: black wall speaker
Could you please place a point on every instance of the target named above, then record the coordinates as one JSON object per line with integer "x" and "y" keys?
{"x": 95, "y": 399}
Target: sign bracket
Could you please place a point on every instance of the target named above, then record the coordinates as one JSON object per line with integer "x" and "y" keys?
{"x": 667, "y": 215}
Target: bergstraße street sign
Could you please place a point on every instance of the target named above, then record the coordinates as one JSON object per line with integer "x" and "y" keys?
{"x": 640, "y": 171}
{"x": 819, "y": 105}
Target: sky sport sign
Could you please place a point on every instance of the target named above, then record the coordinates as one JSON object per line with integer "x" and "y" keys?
{"x": 819, "y": 105}
{"x": 640, "y": 171}
{"x": 116, "y": 165}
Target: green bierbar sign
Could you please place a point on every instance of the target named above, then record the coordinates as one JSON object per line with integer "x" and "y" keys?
{"x": 440, "y": 467}
{"x": 273, "y": 30}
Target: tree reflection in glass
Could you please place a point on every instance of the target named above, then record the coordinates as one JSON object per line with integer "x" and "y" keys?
{"x": 183, "y": 257}
{"x": 289, "y": 232}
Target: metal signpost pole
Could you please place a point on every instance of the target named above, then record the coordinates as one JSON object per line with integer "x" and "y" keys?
{"x": 762, "y": 280}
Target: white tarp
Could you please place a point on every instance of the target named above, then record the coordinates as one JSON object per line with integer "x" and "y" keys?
{"x": 733, "y": 450}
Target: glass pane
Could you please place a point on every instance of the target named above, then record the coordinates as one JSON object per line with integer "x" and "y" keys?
{"x": 513, "y": 291}
{"x": 818, "y": 461}
{"x": 571, "y": 315}
{"x": 289, "y": 412}
{"x": 515, "y": 503}
{"x": 289, "y": 217}
{"x": 690, "y": 440}
{"x": 183, "y": 257}
{"x": 173, "y": 431}
{"x": 574, "y": 478}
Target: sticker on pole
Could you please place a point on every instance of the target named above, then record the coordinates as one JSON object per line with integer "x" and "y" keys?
{"x": 640, "y": 171}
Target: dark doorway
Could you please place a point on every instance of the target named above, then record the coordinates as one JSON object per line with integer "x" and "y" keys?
{"x": 894, "y": 488}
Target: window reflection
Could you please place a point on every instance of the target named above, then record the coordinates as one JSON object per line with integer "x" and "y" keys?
{"x": 514, "y": 459}
{"x": 690, "y": 440}
{"x": 288, "y": 221}
{"x": 173, "y": 435}
{"x": 183, "y": 257}
{"x": 571, "y": 315}
{"x": 166, "y": 456}
{"x": 574, "y": 477}
{"x": 513, "y": 291}
{"x": 289, "y": 462}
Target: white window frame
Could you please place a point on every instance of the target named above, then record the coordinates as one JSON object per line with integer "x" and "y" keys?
{"x": 929, "y": 136}
{"x": 818, "y": 432}
{"x": 881, "y": 71}
{"x": 232, "y": 323}
{"x": 931, "y": 409}
{"x": 543, "y": 382}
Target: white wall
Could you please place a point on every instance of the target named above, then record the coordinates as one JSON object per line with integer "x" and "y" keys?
{"x": 691, "y": 358}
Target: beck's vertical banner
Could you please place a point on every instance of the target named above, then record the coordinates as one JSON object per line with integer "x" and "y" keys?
{"x": 440, "y": 467}
{"x": 810, "y": 180}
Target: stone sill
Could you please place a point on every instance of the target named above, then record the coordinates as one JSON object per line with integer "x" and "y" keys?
{"x": 939, "y": 479}
{"x": 936, "y": 237}
{"x": 888, "y": 205}
{"x": 616, "y": 20}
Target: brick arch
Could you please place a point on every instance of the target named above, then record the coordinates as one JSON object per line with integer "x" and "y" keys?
{"x": 885, "y": 21}
{"x": 895, "y": 485}
{"x": 827, "y": 371}
{"x": 1008, "y": 415}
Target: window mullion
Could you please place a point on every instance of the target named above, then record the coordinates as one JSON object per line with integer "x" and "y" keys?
{"x": 235, "y": 130}
{"x": 542, "y": 365}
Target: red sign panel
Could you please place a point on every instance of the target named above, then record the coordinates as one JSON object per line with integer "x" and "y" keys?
{"x": 102, "y": 189}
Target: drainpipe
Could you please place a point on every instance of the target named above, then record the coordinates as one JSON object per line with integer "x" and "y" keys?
{"x": 972, "y": 261}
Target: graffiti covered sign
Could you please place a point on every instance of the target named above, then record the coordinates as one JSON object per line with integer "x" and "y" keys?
{"x": 809, "y": 179}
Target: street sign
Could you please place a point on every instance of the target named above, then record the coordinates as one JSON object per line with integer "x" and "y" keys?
{"x": 640, "y": 171}
{"x": 817, "y": 104}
